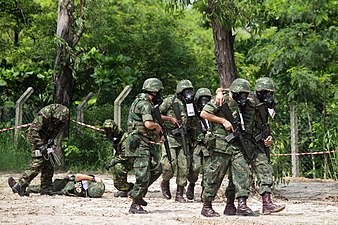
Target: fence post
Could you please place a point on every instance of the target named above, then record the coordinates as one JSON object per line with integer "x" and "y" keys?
{"x": 294, "y": 140}
{"x": 82, "y": 106}
{"x": 18, "y": 111}
{"x": 117, "y": 104}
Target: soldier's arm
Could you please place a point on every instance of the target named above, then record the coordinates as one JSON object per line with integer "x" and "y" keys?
{"x": 80, "y": 177}
{"x": 34, "y": 131}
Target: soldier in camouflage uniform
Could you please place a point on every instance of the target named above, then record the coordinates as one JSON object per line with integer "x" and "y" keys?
{"x": 79, "y": 185}
{"x": 184, "y": 97}
{"x": 200, "y": 152}
{"x": 259, "y": 160}
{"x": 225, "y": 154}
{"x": 42, "y": 131}
{"x": 143, "y": 133}
{"x": 120, "y": 163}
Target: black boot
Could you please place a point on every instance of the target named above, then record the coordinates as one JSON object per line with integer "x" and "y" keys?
{"x": 268, "y": 206}
{"x": 179, "y": 194}
{"x": 190, "y": 191}
{"x": 121, "y": 194}
{"x": 243, "y": 209}
{"x": 208, "y": 211}
{"x": 165, "y": 189}
{"x": 16, "y": 187}
{"x": 136, "y": 208}
{"x": 230, "y": 208}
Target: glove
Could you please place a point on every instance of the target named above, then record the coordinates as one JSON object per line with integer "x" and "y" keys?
{"x": 42, "y": 149}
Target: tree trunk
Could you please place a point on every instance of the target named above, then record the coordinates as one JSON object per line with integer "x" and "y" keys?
{"x": 63, "y": 73}
{"x": 224, "y": 51}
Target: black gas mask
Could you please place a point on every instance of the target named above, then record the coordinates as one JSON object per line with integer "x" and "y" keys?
{"x": 157, "y": 98}
{"x": 241, "y": 98}
{"x": 57, "y": 123}
{"x": 188, "y": 95}
{"x": 267, "y": 98}
{"x": 202, "y": 101}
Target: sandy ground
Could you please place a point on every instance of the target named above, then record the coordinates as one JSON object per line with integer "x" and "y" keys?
{"x": 307, "y": 202}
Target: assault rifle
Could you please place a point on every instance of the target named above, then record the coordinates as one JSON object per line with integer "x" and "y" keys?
{"x": 182, "y": 131}
{"x": 238, "y": 131}
{"x": 49, "y": 151}
{"x": 263, "y": 114}
{"x": 160, "y": 121}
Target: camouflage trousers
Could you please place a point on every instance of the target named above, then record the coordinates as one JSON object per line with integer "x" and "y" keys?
{"x": 120, "y": 174}
{"x": 147, "y": 169}
{"x": 198, "y": 165}
{"x": 218, "y": 165}
{"x": 179, "y": 164}
{"x": 37, "y": 165}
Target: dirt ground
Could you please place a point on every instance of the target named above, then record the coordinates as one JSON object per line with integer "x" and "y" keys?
{"x": 307, "y": 202}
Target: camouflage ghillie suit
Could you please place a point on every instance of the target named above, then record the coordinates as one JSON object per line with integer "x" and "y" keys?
{"x": 44, "y": 128}
{"x": 121, "y": 164}
{"x": 69, "y": 186}
{"x": 226, "y": 154}
{"x": 200, "y": 152}
{"x": 140, "y": 143}
{"x": 180, "y": 163}
{"x": 259, "y": 159}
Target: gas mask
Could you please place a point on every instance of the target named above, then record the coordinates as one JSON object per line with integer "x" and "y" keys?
{"x": 267, "y": 98}
{"x": 188, "y": 95}
{"x": 57, "y": 123}
{"x": 202, "y": 101}
{"x": 241, "y": 98}
{"x": 157, "y": 98}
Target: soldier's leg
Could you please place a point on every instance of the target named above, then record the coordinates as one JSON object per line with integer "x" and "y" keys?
{"x": 240, "y": 172}
{"x": 120, "y": 175}
{"x": 194, "y": 171}
{"x": 167, "y": 172}
{"x": 214, "y": 175}
{"x": 181, "y": 175}
{"x": 264, "y": 173}
{"x": 47, "y": 172}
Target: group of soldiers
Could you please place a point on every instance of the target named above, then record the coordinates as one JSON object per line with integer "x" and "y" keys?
{"x": 186, "y": 134}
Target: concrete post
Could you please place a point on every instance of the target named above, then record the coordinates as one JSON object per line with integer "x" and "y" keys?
{"x": 117, "y": 104}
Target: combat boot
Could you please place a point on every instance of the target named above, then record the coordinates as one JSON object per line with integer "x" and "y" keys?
{"x": 165, "y": 189}
{"x": 190, "y": 191}
{"x": 230, "y": 208}
{"x": 121, "y": 194}
{"x": 268, "y": 206}
{"x": 16, "y": 187}
{"x": 179, "y": 194}
{"x": 142, "y": 202}
{"x": 136, "y": 208}
{"x": 208, "y": 211}
{"x": 243, "y": 209}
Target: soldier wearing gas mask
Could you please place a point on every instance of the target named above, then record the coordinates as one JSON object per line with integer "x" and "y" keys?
{"x": 179, "y": 113}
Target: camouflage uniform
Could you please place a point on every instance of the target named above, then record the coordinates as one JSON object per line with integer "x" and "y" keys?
{"x": 175, "y": 143}
{"x": 200, "y": 152}
{"x": 68, "y": 186}
{"x": 224, "y": 155}
{"x": 120, "y": 163}
{"x": 45, "y": 127}
{"x": 140, "y": 145}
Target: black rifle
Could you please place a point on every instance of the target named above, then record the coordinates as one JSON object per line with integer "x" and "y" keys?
{"x": 203, "y": 121}
{"x": 263, "y": 114}
{"x": 182, "y": 131}
{"x": 51, "y": 156}
{"x": 238, "y": 131}
{"x": 160, "y": 121}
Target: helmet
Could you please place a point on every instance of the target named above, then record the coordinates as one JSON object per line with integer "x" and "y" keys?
{"x": 96, "y": 189}
{"x": 152, "y": 85}
{"x": 110, "y": 124}
{"x": 183, "y": 84}
{"x": 202, "y": 92}
{"x": 265, "y": 84}
{"x": 240, "y": 85}
{"x": 57, "y": 111}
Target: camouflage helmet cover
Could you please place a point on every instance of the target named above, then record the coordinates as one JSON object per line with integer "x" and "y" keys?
{"x": 152, "y": 85}
{"x": 202, "y": 92}
{"x": 240, "y": 85}
{"x": 265, "y": 84}
{"x": 96, "y": 189}
{"x": 183, "y": 84}
{"x": 56, "y": 111}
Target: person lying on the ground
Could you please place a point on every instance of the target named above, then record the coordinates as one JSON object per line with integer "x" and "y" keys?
{"x": 72, "y": 185}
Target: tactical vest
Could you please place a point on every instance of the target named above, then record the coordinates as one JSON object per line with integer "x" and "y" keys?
{"x": 135, "y": 122}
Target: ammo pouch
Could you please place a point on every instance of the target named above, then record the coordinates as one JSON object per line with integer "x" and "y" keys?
{"x": 133, "y": 142}
{"x": 210, "y": 141}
